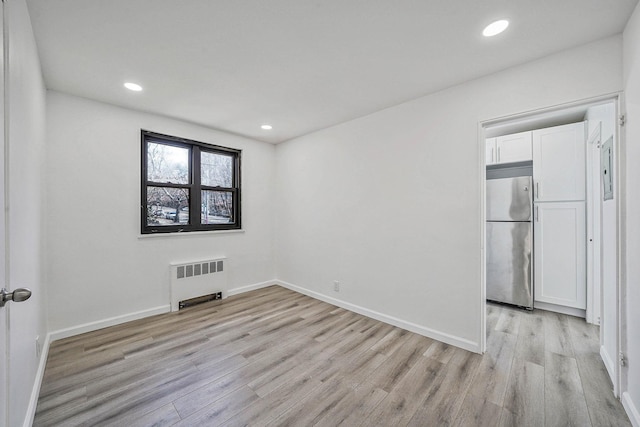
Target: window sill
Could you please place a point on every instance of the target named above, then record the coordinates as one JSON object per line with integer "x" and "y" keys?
{"x": 188, "y": 233}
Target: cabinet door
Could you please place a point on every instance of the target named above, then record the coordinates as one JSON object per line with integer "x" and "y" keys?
{"x": 514, "y": 148}
{"x": 559, "y": 163}
{"x": 560, "y": 254}
{"x": 490, "y": 151}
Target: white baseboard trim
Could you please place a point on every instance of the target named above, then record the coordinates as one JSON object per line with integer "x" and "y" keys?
{"x": 243, "y": 289}
{"x": 35, "y": 392}
{"x": 412, "y": 327}
{"x": 576, "y": 312}
{"x": 632, "y": 411}
{"x": 99, "y": 324}
{"x": 608, "y": 363}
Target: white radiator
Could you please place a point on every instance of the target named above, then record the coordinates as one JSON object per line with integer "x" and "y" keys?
{"x": 196, "y": 279}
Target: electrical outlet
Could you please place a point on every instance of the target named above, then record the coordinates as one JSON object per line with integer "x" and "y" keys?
{"x": 336, "y": 286}
{"x": 38, "y": 347}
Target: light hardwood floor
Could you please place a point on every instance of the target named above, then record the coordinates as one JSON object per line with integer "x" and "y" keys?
{"x": 274, "y": 357}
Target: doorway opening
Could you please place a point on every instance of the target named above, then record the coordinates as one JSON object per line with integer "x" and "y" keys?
{"x": 575, "y": 214}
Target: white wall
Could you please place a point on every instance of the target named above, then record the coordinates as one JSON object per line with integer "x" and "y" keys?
{"x": 26, "y": 166}
{"x": 98, "y": 266}
{"x": 631, "y": 68}
{"x": 390, "y": 204}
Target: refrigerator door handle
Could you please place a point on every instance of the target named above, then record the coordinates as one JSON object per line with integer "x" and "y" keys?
{"x": 537, "y": 189}
{"x": 537, "y": 216}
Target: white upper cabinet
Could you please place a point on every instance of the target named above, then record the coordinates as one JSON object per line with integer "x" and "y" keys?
{"x": 559, "y": 163}
{"x": 490, "y": 154}
{"x": 514, "y": 148}
{"x": 509, "y": 148}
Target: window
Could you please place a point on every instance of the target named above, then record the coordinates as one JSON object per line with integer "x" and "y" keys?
{"x": 188, "y": 185}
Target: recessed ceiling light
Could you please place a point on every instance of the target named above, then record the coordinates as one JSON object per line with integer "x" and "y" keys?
{"x": 132, "y": 86}
{"x": 495, "y": 28}
{"x": 266, "y": 127}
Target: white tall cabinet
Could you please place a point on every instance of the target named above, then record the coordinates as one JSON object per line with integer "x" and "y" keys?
{"x": 560, "y": 215}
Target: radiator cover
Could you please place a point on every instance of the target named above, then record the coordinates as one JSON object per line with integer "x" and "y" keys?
{"x": 197, "y": 278}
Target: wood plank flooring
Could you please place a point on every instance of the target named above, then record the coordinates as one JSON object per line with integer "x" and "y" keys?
{"x": 273, "y": 357}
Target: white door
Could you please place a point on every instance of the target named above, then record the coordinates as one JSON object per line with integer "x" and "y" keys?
{"x": 4, "y": 312}
{"x": 559, "y": 157}
{"x": 594, "y": 226}
{"x": 560, "y": 254}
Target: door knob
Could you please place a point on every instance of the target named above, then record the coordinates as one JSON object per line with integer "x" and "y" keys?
{"x": 18, "y": 295}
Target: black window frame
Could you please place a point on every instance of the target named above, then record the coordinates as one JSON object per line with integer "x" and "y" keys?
{"x": 194, "y": 185}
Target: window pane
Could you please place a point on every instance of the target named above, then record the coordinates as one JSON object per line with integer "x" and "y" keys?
{"x": 216, "y": 170}
{"x": 166, "y": 163}
{"x": 167, "y": 206}
{"x": 217, "y": 207}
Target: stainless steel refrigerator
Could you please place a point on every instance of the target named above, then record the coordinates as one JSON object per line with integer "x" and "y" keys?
{"x": 510, "y": 241}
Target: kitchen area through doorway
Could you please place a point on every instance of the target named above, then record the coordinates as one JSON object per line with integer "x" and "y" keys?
{"x": 551, "y": 215}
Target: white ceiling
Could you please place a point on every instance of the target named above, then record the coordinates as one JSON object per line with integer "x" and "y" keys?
{"x": 300, "y": 65}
